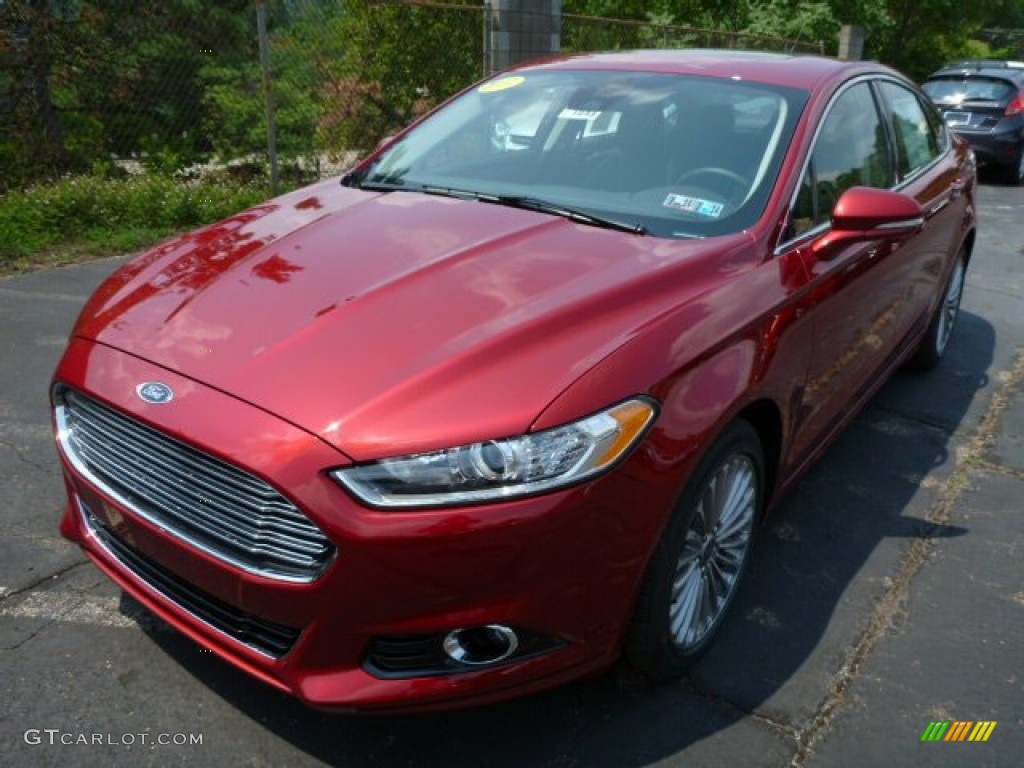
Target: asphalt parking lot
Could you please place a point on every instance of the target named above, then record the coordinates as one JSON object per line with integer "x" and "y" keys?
{"x": 886, "y": 594}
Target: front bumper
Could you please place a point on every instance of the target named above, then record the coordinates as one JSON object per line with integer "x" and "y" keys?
{"x": 563, "y": 566}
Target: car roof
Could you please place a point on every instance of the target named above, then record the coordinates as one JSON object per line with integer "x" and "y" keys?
{"x": 1011, "y": 70}
{"x": 794, "y": 70}
{"x": 982, "y": 64}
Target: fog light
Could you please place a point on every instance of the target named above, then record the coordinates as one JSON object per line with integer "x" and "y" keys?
{"x": 479, "y": 646}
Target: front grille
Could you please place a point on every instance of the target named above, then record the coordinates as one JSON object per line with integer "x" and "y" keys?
{"x": 268, "y": 637}
{"x": 204, "y": 501}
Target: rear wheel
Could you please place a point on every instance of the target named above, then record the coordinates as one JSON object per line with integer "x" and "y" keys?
{"x": 694, "y": 572}
{"x": 934, "y": 344}
{"x": 1015, "y": 173}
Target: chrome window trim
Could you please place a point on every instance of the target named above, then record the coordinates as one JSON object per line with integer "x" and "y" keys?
{"x": 785, "y": 245}
{"x": 944, "y": 150}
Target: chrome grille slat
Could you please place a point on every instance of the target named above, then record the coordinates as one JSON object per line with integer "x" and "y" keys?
{"x": 231, "y": 535}
{"x": 115, "y": 471}
{"x": 119, "y": 426}
{"x": 233, "y": 481}
{"x": 130, "y": 465}
{"x": 205, "y": 501}
{"x": 235, "y": 524}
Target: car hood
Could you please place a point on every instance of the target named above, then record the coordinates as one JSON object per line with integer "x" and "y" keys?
{"x": 394, "y": 323}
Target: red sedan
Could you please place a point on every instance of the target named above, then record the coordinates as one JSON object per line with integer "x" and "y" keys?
{"x": 509, "y": 399}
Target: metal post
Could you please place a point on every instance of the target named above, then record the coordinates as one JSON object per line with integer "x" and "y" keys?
{"x": 268, "y": 96}
{"x": 851, "y": 43}
{"x": 522, "y": 30}
{"x": 486, "y": 53}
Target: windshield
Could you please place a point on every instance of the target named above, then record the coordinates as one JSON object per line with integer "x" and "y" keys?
{"x": 960, "y": 89}
{"x": 671, "y": 155}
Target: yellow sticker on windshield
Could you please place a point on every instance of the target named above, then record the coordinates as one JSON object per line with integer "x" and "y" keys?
{"x": 500, "y": 85}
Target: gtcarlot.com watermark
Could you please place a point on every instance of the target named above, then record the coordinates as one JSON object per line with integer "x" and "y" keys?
{"x": 57, "y": 737}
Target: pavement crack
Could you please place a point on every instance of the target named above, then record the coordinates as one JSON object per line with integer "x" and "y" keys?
{"x": 1002, "y": 469}
{"x": 892, "y": 603}
{"x": 783, "y": 728}
{"x": 81, "y": 591}
{"x": 55, "y": 576}
{"x": 20, "y": 455}
{"x": 31, "y": 635}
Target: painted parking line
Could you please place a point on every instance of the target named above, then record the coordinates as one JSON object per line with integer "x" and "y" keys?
{"x": 72, "y": 607}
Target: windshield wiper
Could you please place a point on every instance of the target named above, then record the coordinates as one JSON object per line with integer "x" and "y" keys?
{"x": 459, "y": 194}
{"x": 513, "y": 201}
{"x": 556, "y": 209}
{"x": 383, "y": 186}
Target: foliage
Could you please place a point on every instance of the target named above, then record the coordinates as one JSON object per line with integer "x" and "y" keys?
{"x": 804, "y": 21}
{"x": 98, "y": 214}
{"x": 172, "y": 83}
{"x": 918, "y": 36}
{"x": 90, "y": 78}
{"x": 344, "y": 73}
{"x": 399, "y": 61}
{"x": 915, "y": 36}
{"x": 301, "y": 38}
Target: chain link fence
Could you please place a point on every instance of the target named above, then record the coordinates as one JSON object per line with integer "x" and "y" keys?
{"x": 115, "y": 87}
{"x": 589, "y": 33}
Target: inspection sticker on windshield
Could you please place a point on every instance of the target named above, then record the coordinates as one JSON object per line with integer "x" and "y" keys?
{"x": 697, "y": 205}
{"x": 578, "y": 114}
{"x": 502, "y": 84}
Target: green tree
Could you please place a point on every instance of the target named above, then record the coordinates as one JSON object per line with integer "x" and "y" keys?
{"x": 794, "y": 20}
{"x": 917, "y": 36}
{"x": 398, "y": 62}
{"x": 344, "y": 73}
{"x": 30, "y": 41}
{"x": 83, "y": 79}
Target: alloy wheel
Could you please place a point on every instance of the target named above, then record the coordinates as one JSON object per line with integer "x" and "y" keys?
{"x": 715, "y": 548}
{"x": 950, "y": 307}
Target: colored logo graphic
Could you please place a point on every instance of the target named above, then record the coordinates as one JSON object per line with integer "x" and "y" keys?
{"x": 155, "y": 392}
{"x": 958, "y": 730}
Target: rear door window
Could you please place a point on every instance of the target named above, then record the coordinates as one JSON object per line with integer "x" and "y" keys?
{"x": 918, "y": 142}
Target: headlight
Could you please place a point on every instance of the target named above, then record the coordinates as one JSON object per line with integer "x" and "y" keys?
{"x": 502, "y": 469}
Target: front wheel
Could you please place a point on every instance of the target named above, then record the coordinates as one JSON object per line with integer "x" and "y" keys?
{"x": 936, "y": 339}
{"x": 697, "y": 565}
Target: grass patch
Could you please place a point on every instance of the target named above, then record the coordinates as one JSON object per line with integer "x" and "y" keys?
{"x": 90, "y": 216}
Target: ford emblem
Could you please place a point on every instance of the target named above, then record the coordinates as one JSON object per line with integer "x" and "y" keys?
{"x": 155, "y": 392}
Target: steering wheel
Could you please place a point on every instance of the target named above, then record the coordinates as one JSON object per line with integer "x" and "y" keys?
{"x": 739, "y": 183}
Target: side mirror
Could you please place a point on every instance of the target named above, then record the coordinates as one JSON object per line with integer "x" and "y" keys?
{"x": 866, "y": 213}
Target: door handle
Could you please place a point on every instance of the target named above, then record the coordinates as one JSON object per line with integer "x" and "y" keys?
{"x": 942, "y": 203}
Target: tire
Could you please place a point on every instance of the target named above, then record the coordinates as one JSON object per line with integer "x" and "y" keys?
{"x": 1014, "y": 174}
{"x": 694, "y": 572}
{"x": 940, "y": 329}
